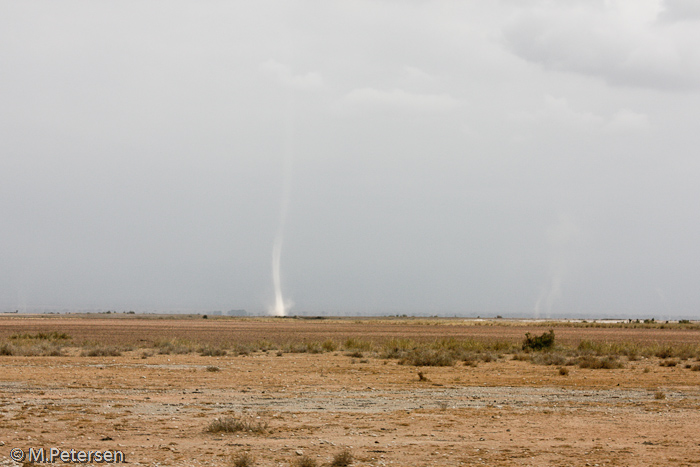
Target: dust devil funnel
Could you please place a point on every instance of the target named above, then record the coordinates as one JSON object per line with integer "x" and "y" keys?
{"x": 281, "y": 306}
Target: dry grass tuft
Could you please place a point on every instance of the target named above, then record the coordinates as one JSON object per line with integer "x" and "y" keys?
{"x": 548, "y": 358}
{"x": 428, "y": 357}
{"x": 604, "y": 363}
{"x": 342, "y": 459}
{"x": 243, "y": 460}
{"x": 305, "y": 461}
{"x": 49, "y": 336}
{"x": 234, "y": 425}
{"x": 209, "y": 351}
{"x": 101, "y": 352}
{"x": 353, "y": 343}
{"x": 174, "y": 346}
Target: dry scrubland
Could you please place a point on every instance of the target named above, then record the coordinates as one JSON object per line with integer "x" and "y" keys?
{"x": 305, "y": 392}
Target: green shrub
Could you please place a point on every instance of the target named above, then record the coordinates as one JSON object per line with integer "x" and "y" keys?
{"x": 545, "y": 341}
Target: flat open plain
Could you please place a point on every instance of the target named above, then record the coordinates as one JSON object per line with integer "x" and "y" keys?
{"x": 156, "y": 396}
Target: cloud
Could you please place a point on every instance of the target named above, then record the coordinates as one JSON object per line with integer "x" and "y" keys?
{"x": 397, "y": 100}
{"x": 556, "y": 111}
{"x": 285, "y": 76}
{"x": 680, "y": 10}
{"x": 621, "y": 43}
{"x": 627, "y": 120}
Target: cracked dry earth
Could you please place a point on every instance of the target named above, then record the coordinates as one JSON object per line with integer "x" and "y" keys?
{"x": 504, "y": 412}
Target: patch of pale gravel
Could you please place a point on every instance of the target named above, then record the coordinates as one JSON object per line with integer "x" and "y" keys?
{"x": 513, "y": 398}
{"x": 382, "y": 401}
{"x": 370, "y": 400}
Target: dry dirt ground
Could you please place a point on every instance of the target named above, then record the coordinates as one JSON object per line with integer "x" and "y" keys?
{"x": 156, "y": 408}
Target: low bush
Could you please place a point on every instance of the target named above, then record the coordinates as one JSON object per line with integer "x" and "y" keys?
{"x": 595, "y": 363}
{"x": 101, "y": 352}
{"x": 174, "y": 346}
{"x": 353, "y": 343}
{"x": 329, "y": 345}
{"x": 44, "y": 349}
{"x": 397, "y": 348}
{"x": 545, "y": 341}
{"x": 548, "y": 359}
{"x": 303, "y": 347}
{"x": 7, "y": 349}
{"x": 208, "y": 351}
{"x": 428, "y": 357}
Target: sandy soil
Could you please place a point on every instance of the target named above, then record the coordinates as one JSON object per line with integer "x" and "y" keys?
{"x": 156, "y": 409}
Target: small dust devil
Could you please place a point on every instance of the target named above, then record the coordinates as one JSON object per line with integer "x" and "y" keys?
{"x": 281, "y": 306}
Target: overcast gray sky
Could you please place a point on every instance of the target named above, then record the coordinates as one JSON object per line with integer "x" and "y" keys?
{"x": 530, "y": 158}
